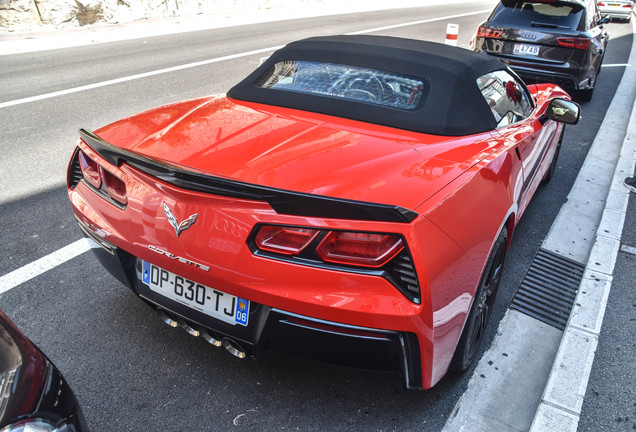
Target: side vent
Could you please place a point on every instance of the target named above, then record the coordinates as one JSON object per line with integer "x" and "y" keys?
{"x": 74, "y": 171}
{"x": 403, "y": 272}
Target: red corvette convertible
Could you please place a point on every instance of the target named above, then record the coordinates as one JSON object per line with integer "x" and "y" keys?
{"x": 350, "y": 201}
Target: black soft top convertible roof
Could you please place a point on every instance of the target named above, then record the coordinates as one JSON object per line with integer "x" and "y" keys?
{"x": 454, "y": 105}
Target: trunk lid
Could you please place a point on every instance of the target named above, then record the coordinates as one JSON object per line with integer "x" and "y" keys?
{"x": 292, "y": 150}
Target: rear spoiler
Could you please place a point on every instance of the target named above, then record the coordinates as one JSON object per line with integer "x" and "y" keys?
{"x": 282, "y": 201}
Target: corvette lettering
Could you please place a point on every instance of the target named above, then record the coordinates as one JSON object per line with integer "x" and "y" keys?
{"x": 178, "y": 258}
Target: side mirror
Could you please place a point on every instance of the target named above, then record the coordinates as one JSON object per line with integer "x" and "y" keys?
{"x": 563, "y": 111}
{"x": 604, "y": 19}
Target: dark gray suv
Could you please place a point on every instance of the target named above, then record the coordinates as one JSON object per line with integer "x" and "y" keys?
{"x": 557, "y": 41}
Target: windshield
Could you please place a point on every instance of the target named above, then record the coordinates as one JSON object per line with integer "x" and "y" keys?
{"x": 346, "y": 82}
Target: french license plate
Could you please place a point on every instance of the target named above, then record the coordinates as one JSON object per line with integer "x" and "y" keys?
{"x": 225, "y": 307}
{"x": 526, "y": 49}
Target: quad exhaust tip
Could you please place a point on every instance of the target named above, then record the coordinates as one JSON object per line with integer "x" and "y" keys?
{"x": 165, "y": 318}
{"x": 230, "y": 345}
{"x": 189, "y": 329}
{"x": 233, "y": 348}
{"x": 211, "y": 339}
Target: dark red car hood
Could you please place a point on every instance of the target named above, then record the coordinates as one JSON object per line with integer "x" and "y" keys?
{"x": 299, "y": 151}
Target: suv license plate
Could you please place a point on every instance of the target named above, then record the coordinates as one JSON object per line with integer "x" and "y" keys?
{"x": 526, "y": 49}
{"x": 225, "y": 307}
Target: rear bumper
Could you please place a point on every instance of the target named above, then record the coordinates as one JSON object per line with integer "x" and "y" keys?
{"x": 564, "y": 75}
{"x": 534, "y": 76}
{"x": 617, "y": 13}
{"x": 278, "y": 330}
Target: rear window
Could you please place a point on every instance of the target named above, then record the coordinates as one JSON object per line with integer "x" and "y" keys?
{"x": 538, "y": 15}
{"x": 346, "y": 82}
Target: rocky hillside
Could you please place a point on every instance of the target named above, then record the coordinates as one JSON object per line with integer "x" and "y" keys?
{"x": 31, "y": 15}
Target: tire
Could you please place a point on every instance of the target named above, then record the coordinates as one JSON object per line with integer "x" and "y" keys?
{"x": 600, "y": 64}
{"x": 477, "y": 321}
{"x": 585, "y": 95}
{"x": 553, "y": 165}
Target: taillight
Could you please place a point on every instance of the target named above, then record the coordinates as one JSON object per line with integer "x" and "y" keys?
{"x": 284, "y": 240}
{"x": 363, "y": 249}
{"x": 377, "y": 254}
{"x": 115, "y": 187}
{"x": 601, "y": 4}
{"x": 90, "y": 170}
{"x": 627, "y": 6}
{"x": 577, "y": 43}
{"x": 485, "y": 32}
{"x": 101, "y": 179}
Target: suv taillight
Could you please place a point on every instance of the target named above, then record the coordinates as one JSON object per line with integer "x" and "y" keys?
{"x": 486, "y": 32}
{"x": 576, "y": 43}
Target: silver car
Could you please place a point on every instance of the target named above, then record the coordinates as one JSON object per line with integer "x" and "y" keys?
{"x": 617, "y": 9}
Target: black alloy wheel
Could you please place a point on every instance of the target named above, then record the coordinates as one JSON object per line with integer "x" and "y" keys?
{"x": 481, "y": 309}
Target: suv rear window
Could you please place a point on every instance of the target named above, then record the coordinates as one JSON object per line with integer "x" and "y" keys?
{"x": 538, "y": 14}
{"x": 346, "y": 82}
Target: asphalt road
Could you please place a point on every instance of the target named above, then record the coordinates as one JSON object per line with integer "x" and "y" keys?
{"x": 129, "y": 370}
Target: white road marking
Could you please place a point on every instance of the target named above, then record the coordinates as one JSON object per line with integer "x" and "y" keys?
{"x": 134, "y": 77}
{"x": 207, "y": 62}
{"x": 616, "y": 65}
{"x": 373, "y": 30}
{"x": 46, "y": 263}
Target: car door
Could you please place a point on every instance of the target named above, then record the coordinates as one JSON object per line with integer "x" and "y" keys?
{"x": 513, "y": 107}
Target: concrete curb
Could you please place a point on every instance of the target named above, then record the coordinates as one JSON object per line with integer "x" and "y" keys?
{"x": 562, "y": 399}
